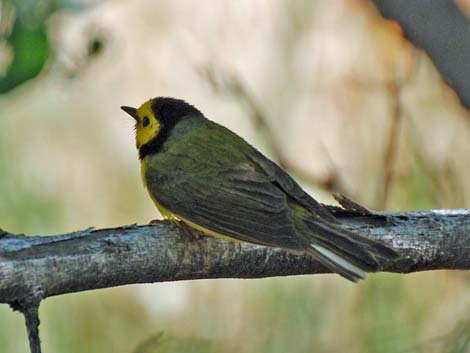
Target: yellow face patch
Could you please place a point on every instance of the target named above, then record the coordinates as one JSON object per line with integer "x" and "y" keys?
{"x": 147, "y": 125}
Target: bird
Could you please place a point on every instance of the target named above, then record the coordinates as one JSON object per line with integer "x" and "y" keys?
{"x": 201, "y": 173}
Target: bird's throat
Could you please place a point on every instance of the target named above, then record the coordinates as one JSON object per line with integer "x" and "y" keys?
{"x": 153, "y": 146}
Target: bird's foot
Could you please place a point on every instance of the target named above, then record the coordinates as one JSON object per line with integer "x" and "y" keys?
{"x": 181, "y": 227}
{"x": 186, "y": 230}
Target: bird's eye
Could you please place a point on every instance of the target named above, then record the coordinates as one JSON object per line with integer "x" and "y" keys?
{"x": 145, "y": 121}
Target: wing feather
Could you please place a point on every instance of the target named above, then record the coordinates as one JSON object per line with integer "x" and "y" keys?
{"x": 233, "y": 205}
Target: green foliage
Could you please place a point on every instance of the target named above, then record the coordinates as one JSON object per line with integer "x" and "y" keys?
{"x": 27, "y": 40}
{"x": 31, "y": 49}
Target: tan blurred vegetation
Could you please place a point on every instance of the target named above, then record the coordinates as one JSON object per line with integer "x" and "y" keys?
{"x": 329, "y": 89}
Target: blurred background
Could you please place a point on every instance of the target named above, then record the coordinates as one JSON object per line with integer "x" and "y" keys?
{"x": 329, "y": 89}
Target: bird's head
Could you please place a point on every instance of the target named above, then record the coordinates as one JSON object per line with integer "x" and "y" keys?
{"x": 156, "y": 118}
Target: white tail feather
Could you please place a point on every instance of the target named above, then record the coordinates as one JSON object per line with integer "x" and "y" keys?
{"x": 339, "y": 261}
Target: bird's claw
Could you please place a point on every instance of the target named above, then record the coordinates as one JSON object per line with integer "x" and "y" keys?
{"x": 179, "y": 226}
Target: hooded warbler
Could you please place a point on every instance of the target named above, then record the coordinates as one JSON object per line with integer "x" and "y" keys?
{"x": 201, "y": 173}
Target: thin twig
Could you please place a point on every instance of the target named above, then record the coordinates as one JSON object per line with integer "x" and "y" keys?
{"x": 31, "y": 315}
{"x": 29, "y": 307}
{"x": 350, "y": 205}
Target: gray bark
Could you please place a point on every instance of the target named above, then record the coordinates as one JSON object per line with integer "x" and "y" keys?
{"x": 102, "y": 258}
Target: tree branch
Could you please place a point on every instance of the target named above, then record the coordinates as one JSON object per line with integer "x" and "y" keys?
{"x": 33, "y": 267}
{"x": 102, "y": 258}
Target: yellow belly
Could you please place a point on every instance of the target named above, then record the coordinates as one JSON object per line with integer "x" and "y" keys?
{"x": 166, "y": 214}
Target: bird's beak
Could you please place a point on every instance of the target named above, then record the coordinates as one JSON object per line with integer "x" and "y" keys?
{"x": 131, "y": 111}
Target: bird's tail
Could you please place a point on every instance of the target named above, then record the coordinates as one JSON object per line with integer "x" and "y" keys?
{"x": 344, "y": 252}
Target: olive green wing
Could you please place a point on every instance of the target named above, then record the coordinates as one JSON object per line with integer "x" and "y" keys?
{"x": 239, "y": 202}
{"x": 290, "y": 186}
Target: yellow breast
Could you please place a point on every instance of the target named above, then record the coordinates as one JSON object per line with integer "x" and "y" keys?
{"x": 164, "y": 212}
